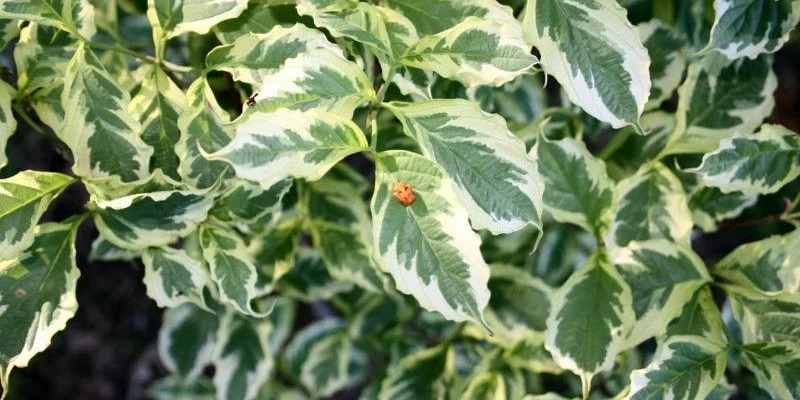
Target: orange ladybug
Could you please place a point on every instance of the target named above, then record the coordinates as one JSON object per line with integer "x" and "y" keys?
{"x": 404, "y": 194}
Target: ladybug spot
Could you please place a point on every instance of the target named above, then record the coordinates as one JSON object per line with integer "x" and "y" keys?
{"x": 404, "y": 194}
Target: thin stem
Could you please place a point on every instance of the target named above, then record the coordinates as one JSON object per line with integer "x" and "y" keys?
{"x": 142, "y": 57}
{"x": 28, "y": 120}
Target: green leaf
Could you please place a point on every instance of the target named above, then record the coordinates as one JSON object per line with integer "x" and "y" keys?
{"x": 493, "y": 176}
{"x": 9, "y": 30}
{"x": 310, "y": 279}
{"x": 384, "y": 31}
{"x": 590, "y": 318}
{"x": 270, "y": 147}
{"x": 252, "y": 57}
{"x": 700, "y": 316}
{"x": 347, "y": 255}
{"x": 154, "y": 219}
{"x": 720, "y": 98}
{"x": 74, "y": 16}
{"x": 421, "y": 375}
{"x": 247, "y": 202}
{"x": 667, "y": 60}
{"x": 157, "y": 105}
{"x": 242, "y": 359}
{"x": 97, "y": 127}
{"x": 428, "y": 246}
{"x": 320, "y": 79}
{"x": 338, "y": 198}
{"x": 685, "y": 367}
{"x": 38, "y": 295}
{"x": 187, "y": 340}
{"x": 650, "y": 205}
{"x": 579, "y": 190}
{"x": 747, "y": 28}
{"x": 530, "y": 354}
{"x": 765, "y": 318}
{"x": 628, "y": 151}
{"x": 174, "y": 17}
{"x": 574, "y": 37}
{"x": 662, "y": 276}
{"x": 173, "y": 277}
{"x": 753, "y": 164}
{"x": 8, "y": 125}
{"x": 474, "y": 52}
{"x": 775, "y": 365}
{"x": 282, "y": 317}
{"x": 231, "y": 269}
{"x": 769, "y": 265}
{"x": 324, "y": 371}
{"x": 174, "y": 388}
{"x": 434, "y": 16}
{"x": 202, "y": 125}
{"x": 24, "y": 198}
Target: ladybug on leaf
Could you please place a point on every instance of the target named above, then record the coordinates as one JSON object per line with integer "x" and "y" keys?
{"x": 404, "y": 193}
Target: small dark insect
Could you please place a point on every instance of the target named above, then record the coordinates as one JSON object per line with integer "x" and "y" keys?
{"x": 252, "y": 100}
{"x": 20, "y": 292}
{"x": 404, "y": 194}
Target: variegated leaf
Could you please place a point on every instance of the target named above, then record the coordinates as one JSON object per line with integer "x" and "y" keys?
{"x": 764, "y": 318}
{"x": 775, "y": 365}
{"x": 247, "y": 202}
{"x": 662, "y": 276}
{"x": 710, "y": 205}
{"x": 270, "y": 147}
{"x": 103, "y": 250}
{"x": 421, "y": 375}
{"x": 493, "y": 176}
{"x": 157, "y": 105}
{"x": 186, "y": 340}
{"x": 747, "y": 28}
{"x": 173, "y": 387}
{"x": 257, "y": 18}
{"x": 530, "y": 354}
{"x": 650, "y": 205}
{"x": 427, "y": 244}
{"x": 486, "y": 386}
{"x": 37, "y": 295}
{"x": 8, "y": 125}
{"x": 753, "y": 164}
{"x": 202, "y": 126}
{"x": 302, "y": 343}
{"x": 667, "y": 60}
{"x": 274, "y": 252}
{"x": 251, "y": 57}
{"x": 594, "y": 299}
{"x": 474, "y": 52}
{"x": 243, "y": 361}
{"x": 173, "y": 277}
{"x": 174, "y": 17}
{"x": 74, "y": 16}
{"x": 337, "y": 198}
{"x": 97, "y": 127}
{"x": 231, "y": 269}
{"x": 769, "y": 265}
{"x": 579, "y": 190}
{"x": 309, "y": 279}
{"x": 434, "y": 16}
{"x": 282, "y": 317}
{"x": 347, "y": 255}
{"x": 700, "y": 316}
{"x": 325, "y": 369}
{"x": 41, "y": 57}
{"x": 9, "y": 30}
{"x": 320, "y": 79}
{"x": 154, "y": 219}
{"x": 384, "y": 31}
{"x": 720, "y": 98}
{"x": 685, "y": 367}
{"x": 24, "y": 197}
{"x": 574, "y": 37}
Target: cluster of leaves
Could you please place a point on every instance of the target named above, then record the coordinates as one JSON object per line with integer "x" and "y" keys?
{"x": 243, "y": 223}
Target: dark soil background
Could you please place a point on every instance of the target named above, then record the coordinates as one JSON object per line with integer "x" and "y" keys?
{"x": 108, "y": 350}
